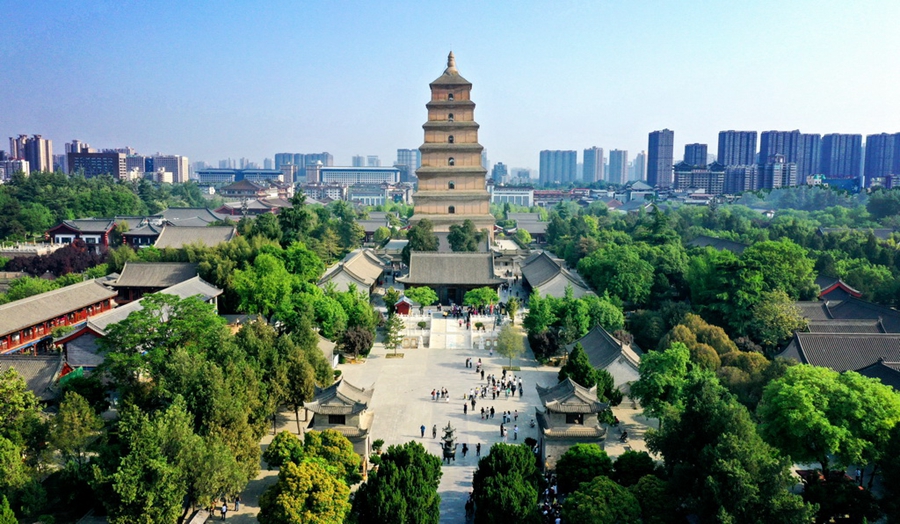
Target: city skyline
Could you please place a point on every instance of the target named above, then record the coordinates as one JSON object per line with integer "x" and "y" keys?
{"x": 243, "y": 81}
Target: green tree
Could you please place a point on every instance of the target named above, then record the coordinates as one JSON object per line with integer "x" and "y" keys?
{"x": 391, "y": 296}
{"x": 465, "y": 237}
{"x": 512, "y": 307}
{"x": 284, "y": 448}
{"x": 631, "y": 466}
{"x": 658, "y": 506}
{"x": 421, "y": 238}
{"x": 813, "y": 414}
{"x": 337, "y": 451}
{"x": 775, "y": 319}
{"x": 510, "y": 342}
{"x": 356, "y": 341}
{"x": 24, "y": 287}
{"x": 263, "y": 288}
{"x": 423, "y": 295}
{"x": 402, "y": 490}
{"x": 266, "y": 225}
{"x": 784, "y": 266}
{"x": 7, "y": 516}
{"x": 581, "y": 463}
{"x": 604, "y": 313}
{"x": 540, "y": 314}
{"x": 506, "y": 486}
{"x": 663, "y": 378}
{"x": 330, "y": 316}
{"x": 73, "y": 428}
{"x": 393, "y": 333}
{"x": 302, "y": 262}
{"x": 382, "y": 235}
{"x": 481, "y": 296}
{"x": 305, "y": 493}
{"x": 523, "y": 236}
{"x": 709, "y": 444}
{"x": 619, "y": 271}
{"x": 601, "y": 501}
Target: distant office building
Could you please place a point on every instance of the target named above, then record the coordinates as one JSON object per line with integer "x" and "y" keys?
{"x": 639, "y": 167}
{"x": 557, "y": 167}
{"x": 618, "y": 166}
{"x": 347, "y": 176}
{"x": 358, "y": 161}
{"x": 711, "y": 178}
{"x": 373, "y": 161}
{"x": 882, "y": 157}
{"x": 592, "y": 170}
{"x": 178, "y": 165}
{"x": 785, "y": 143}
{"x": 737, "y": 148}
{"x": 408, "y": 160}
{"x": 841, "y": 156}
{"x": 695, "y": 154}
{"x": 268, "y": 163}
{"x": 660, "y": 158}
{"x": 9, "y": 167}
{"x": 776, "y": 172}
{"x": 289, "y": 173}
{"x": 35, "y": 149}
{"x": 60, "y": 163}
{"x": 298, "y": 159}
{"x": 518, "y": 195}
{"x": 500, "y": 173}
{"x": 91, "y": 165}
{"x": 809, "y": 155}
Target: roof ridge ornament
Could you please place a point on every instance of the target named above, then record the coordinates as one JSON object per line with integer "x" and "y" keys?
{"x": 451, "y": 64}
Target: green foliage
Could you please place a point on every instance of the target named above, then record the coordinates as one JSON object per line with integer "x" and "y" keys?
{"x": 73, "y": 428}
{"x": 512, "y": 307}
{"x": 719, "y": 467}
{"x": 7, "y": 516}
{"x": 579, "y": 369}
{"x": 510, "y": 342}
{"x": 403, "y": 490}
{"x": 663, "y": 378}
{"x": 263, "y": 288}
{"x": 302, "y": 262}
{"x": 305, "y": 493}
{"x": 775, "y": 319}
{"x": 506, "y": 486}
{"x": 631, "y": 466}
{"x": 465, "y": 237}
{"x": 391, "y": 296}
{"x": 337, "y": 451}
{"x": 524, "y": 237}
{"x": 393, "y": 333}
{"x": 284, "y": 448}
{"x": 890, "y": 473}
{"x": 813, "y": 414}
{"x": 481, "y": 296}
{"x": 582, "y": 463}
{"x": 421, "y": 238}
{"x": 422, "y": 295}
{"x": 883, "y": 203}
{"x": 601, "y": 501}
{"x": 382, "y": 235}
{"x": 657, "y": 505}
{"x": 620, "y": 272}
{"x": 24, "y": 287}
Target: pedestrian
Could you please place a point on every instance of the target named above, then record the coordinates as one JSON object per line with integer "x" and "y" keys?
{"x": 516, "y": 432}
{"x": 478, "y": 449}
{"x": 482, "y": 372}
{"x": 467, "y": 362}
{"x": 502, "y": 430}
{"x": 465, "y": 449}
{"x": 492, "y": 411}
{"x": 433, "y": 394}
{"x": 482, "y": 413}
{"x": 224, "y": 510}
{"x": 465, "y": 409}
{"x": 434, "y": 431}
{"x": 423, "y": 430}
{"x": 516, "y": 415}
{"x": 473, "y": 401}
{"x": 237, "y": 503}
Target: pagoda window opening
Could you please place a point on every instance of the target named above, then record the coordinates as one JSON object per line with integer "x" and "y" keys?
{"x": 451, "y": 185}
{"x": 450, "y": 139}
{"x": 451, "y": 210}
{"x": 449, "y": 96}
{"x": 574, "y": 418}
{"x": 450, "y": 117}
{"x": 339, "y": 420}
{"x": 451, "y": 161}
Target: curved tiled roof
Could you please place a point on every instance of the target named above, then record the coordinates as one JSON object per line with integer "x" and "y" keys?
{"x": 340, "y": 398}
{"x": 602, "y": 349}
{"x": 550, "y": 277}
{"x": 178, "y": 237}
{"x": 571, "y": 431}
{"x": 569, "y": 397}
{"x": 430, "y": 268}
{"x": 38, "y": 372}
{"x": 718, "y": 243}
{"x": 887, "y": 372}
{"x": 154, "y": 274}
{"x": 846, "y": 326}
{"x": 36, "y": 309}
{"x": 843, "y": 351}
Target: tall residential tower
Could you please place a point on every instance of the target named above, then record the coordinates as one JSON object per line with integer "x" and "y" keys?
{"x": 660, "y": 158}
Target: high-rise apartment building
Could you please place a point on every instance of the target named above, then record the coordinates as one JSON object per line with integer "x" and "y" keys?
{"x": 841, "y": 156}
{"x": 808, "y": 155}
{"x": 593, "y": 165}
{"x": 711, "y": 178}
{"x": 618, "y": 166}
{"x": 500, "y": 173}
{"x": 785, "y": 143}
{"x": 737, "y": 148}
{"x": 660, "y": 158}
{"x": 36, "y": 150}
{"x": 558, "y": 167}
{"x": 882, "y": 156}
{"x": 639, "y": 167}
{"x": 92, "y": 165}
{"x": 695, "y": 154}
{"x": 776, "y": 172}
{"x": 373, "y": 161}
{"x": 358, "y": 161}
{"x": 178, "y": 165}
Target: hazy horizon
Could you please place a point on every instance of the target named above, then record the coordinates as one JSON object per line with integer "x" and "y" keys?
{"x": 246, "y": 80}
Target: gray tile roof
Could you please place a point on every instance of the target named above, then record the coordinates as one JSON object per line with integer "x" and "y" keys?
{"x": 147, "y": 230}
{"x": 551, "y": 277}
{"x": 178, "y": 214}
{"x": 361, "y": 267}
{"x": 340, "y": 398}
{"x": 91, "y": 225}
{"x": 602, "y": 349}
{"x": 52, "y": 304}
{"x": 845, "y": 326}
{"x": 429, "y": 268}
{"x": 887, "y": 372}
{"x": 38, "y": 372}
{"x": 851, "y": 309}
{"x": 569, "y": 397}
{"x": 178, "y": 237}
{"x": 843, "y": 351}
{"x": 720, "y": 244}
{"x": 154, "y": 274}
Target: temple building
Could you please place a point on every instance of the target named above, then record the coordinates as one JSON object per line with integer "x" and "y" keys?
{"x": 569, "y": 418}
{"x": 452, "y": 185}
{"x": 344, "y": 408}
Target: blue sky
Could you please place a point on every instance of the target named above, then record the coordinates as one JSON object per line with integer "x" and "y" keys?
{"x": 212, "y": 80}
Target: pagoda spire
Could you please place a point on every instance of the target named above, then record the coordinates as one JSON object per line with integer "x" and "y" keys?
{"x": 451, "y": 64}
